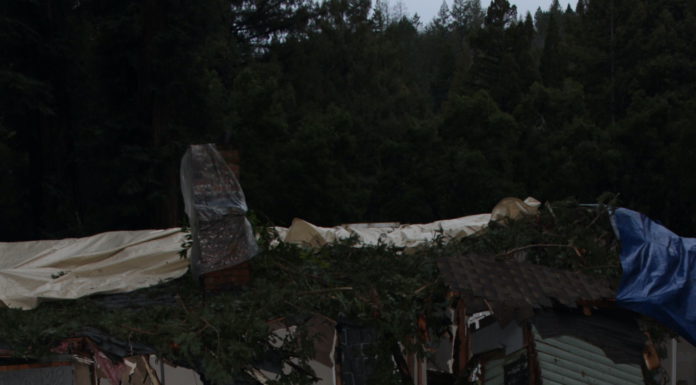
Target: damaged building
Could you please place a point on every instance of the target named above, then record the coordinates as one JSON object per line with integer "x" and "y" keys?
{"x": 510, "y": 322}
{"x": 520, "y": 323}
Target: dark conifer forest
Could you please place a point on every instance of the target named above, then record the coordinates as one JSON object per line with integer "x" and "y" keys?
{"x": 342, "y": 110}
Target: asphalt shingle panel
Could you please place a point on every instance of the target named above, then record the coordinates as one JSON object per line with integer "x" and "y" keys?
{"x": 518, "y": 286}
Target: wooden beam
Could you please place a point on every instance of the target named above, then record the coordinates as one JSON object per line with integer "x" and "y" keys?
{"x": 463, "y": 337}
{"x": 532, "y": 359}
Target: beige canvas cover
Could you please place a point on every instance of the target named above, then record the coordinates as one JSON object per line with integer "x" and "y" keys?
{"x": 113, "y": 262}
{"x": 407, "y": 235}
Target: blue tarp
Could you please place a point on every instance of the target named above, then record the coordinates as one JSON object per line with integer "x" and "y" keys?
{"x": 659, "y": 268}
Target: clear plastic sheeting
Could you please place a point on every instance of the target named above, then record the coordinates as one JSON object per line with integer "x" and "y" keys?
{"x": 216, "y": 207}
{"x": 407, "y": 235}
{"x": 106, "y": 263}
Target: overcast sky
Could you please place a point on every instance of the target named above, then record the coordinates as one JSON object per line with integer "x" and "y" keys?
{"x": 427, "y": 9}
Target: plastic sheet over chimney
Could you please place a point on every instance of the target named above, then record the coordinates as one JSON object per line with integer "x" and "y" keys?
{"x": 216, "y": 207}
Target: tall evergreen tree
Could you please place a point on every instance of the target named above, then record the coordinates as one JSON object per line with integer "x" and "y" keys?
{"x": 443, "y": 19}
{"x": 380, "y": 15}
{"x": 500, "y": 14}
{"x": 552, "y": 59}
{"x": 467, "y": 15}
{"x": 580, "y": 7}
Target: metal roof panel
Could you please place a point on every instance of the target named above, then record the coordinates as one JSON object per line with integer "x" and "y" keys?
{"x": 569, "y": 360}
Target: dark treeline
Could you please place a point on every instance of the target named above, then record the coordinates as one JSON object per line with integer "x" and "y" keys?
{"x": 342, "y": 110}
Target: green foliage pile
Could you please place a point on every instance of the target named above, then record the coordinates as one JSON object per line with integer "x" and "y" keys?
{"x": 566, "y": 235}
{"x": 224, "y": 335}
{"x": 383, "y": 288}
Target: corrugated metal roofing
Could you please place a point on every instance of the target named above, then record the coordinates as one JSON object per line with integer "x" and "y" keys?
{"x": 570, "y": 361}
{"x": 615, "y": 331}
{"x": 507, "y": 284}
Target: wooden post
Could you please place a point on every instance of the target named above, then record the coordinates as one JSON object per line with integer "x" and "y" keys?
{"x": 532, "y": 359}
{"x": 463, "y": 337}
{"x": 150, "y": 372}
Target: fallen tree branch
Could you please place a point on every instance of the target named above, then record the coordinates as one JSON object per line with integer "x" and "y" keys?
{"x": 329, "y": 290}
{"x": 599, "y": 267}
{"x": 137, "y": 330}
{"x": 150, "y": 372}
{"x": 536, "y": 245}
{"x": 427, "y": 285}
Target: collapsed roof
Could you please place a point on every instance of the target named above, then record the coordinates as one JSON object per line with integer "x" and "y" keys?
{"x": 125, "y": 261}
{"x": 513, "y": 289}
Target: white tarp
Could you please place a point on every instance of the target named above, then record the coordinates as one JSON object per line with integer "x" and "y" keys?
{"x": 407, "y": 236}
{"x": 113, "y": 262}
